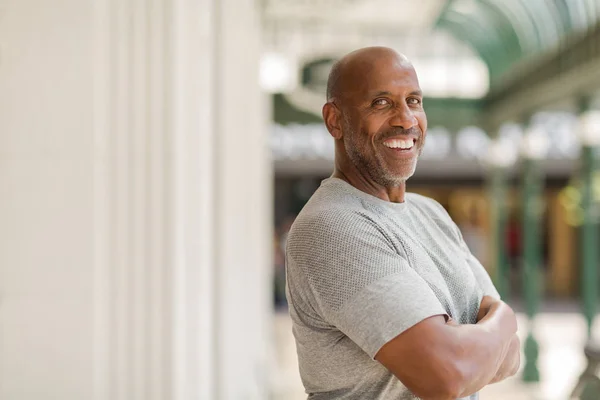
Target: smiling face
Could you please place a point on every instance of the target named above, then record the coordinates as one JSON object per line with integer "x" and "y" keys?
{"x": 383, "y": 124}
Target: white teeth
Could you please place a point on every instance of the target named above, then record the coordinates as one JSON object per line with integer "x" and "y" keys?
{"x": 399, "y": 143}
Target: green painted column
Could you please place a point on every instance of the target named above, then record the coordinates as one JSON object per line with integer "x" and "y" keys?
{"x": 532, "y": 210}
{"x": 498, "y": 202}
{"x": 589, "y": 134}
{"x": 502, "y": 155}
{"x": 589, "y": 237}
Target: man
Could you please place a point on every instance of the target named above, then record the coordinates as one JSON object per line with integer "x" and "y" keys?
{"x": 387, "y": 301}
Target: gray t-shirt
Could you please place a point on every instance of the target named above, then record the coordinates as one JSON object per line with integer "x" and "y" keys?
{"x": 360, "y": 271}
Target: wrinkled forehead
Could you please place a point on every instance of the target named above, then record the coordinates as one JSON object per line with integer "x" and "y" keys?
{"x": 386, "y": 74}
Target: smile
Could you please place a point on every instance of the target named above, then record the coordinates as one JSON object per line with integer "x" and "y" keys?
{"x": 400, "y": 144}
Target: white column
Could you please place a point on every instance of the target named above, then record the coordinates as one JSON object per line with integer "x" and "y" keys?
{"x": 46, "y": 200}
{"x": 135, "y": 212}
{"x": 244, "y": 204}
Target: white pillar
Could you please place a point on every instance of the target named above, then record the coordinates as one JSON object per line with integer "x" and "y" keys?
{"x": 46, "y": 200}
{"x": 243, "y": 189}
{"x": 135, "y": 214}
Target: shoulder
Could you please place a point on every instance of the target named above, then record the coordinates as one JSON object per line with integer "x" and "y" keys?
{"x": 332, "y": 209}
{"x": 336, "y": 222}
{"x": 331, "y": 220}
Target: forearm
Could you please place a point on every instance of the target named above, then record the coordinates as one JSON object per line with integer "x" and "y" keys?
{"x": 485, "y": 347}
{"x": 439, "y": 359}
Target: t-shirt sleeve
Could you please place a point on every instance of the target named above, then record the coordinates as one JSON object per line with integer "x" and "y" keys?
{"x": 362, "y": 284}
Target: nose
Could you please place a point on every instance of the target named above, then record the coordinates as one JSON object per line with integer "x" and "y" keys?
{"x": 403, "y": 117}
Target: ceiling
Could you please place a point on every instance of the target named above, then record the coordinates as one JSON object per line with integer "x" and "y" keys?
{"x": 507, "y": 32}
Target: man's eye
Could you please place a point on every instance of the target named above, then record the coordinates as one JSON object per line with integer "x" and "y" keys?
{"x": 381, "y": 102}
{"x": 414, "y": 101}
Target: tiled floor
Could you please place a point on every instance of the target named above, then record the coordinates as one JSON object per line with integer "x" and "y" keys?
{"x": 561, "y": 336}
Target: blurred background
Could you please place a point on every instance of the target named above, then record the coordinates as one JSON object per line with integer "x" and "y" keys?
{"x": 154, "y": 154}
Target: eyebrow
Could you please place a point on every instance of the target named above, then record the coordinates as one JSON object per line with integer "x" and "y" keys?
{"x": 387, "y": 93}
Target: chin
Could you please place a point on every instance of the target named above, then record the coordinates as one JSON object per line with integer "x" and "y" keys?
{"x": 400, "y": 176}
{"x": 394, "y": 180}
{"x": 394, "y": 175}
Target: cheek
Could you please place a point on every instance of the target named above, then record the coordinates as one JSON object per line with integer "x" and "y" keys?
{"x": 422, "y": 120}
{"x": 365, "y": 132}
{"x": 374, "y": 128}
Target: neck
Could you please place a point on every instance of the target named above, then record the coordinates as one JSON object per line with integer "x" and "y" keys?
{"x": 348, "y": 172}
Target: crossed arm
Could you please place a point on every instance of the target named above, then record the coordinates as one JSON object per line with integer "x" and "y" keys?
{"x": 437, "y": 359}
{"x": 512, "y": 360}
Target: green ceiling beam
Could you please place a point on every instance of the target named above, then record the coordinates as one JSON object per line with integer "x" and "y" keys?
{"x": 510, "y": 41}
{"x": 519, "y": 36}
{"x": 542, "y": 16}
{"x": 488, "y": 31}
{"x": 503, "y": 32}
{"x": 564, "y": 12}
{"x": 474, "y": 36}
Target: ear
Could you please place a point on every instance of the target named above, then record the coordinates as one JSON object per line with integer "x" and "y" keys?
{"x": 331, "y": 116}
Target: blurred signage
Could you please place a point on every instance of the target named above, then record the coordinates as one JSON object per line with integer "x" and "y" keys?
{"x": 312, "y": 141}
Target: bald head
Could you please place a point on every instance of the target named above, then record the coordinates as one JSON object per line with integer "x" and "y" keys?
{"x": 347, "y": 71}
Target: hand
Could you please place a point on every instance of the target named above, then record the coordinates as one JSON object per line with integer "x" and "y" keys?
{"x": 511, "y": 362}
{"x": 484, "y": 307}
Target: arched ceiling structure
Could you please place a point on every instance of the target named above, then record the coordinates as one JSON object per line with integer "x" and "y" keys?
{"x": 507, "y": 32}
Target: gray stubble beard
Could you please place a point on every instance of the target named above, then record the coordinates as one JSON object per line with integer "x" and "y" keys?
{"x": 374, "y": 168}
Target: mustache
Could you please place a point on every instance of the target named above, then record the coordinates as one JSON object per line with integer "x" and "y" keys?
{"x": 414, "y": 131}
